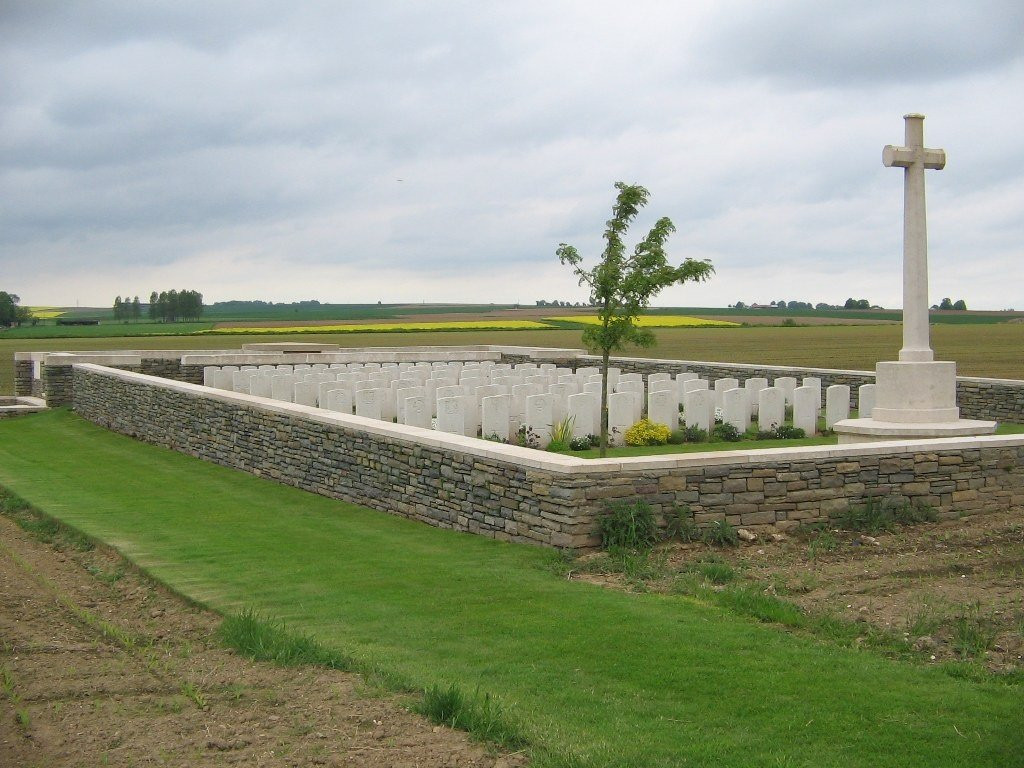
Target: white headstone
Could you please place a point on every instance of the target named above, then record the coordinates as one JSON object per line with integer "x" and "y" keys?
{"x": 699, "y": 408}
{"x": 865, "y": 400}
{"x": 736, "y": 408}
{"x": 637, "y": 388}
{"x": 813, "y": 381}
{"x": 369, "y": 402}
{"x": 583, "y": 410}
{"x": 663, "y": 407}
{"x": 305, "y": 393}
{"x": 496, "y": 416}
{"x": 837, "y": 404}
{"x": 787, "y": 384}
{"x": 805, "y": 409}
{"x": 691, "y": 385}
{"x": 339, "y": 400}
{"x": 721, "y": 385}
{"x": 539, "y": 416}
{"x": 621, "y": 415}
{"x": 771, "y": 408}
{"x": 753, "y": 386}
{"x": 415, "y": 411}
{"x": 260, "y": 387}
{"x": 282, "y": 387}
{"x": 451, "y": 416}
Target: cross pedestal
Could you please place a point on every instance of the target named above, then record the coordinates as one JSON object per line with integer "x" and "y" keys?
{"x": 915, "y": 397}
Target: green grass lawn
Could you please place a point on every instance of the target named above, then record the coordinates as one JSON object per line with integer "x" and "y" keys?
{"x": 618, "y": 679}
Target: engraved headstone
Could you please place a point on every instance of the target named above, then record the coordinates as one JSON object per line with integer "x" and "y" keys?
{"x": 806, "y": 402}
{"x": 771, "y": 408}
{"x": 837, "y": 404}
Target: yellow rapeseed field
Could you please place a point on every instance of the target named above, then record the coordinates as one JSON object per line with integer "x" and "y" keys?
{"x": 460, "y": 325}
{"x": 653, "y": 321}
{"x": 46, "y": 313}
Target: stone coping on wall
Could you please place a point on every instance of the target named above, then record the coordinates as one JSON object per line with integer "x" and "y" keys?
{"x": 560, "y": 463}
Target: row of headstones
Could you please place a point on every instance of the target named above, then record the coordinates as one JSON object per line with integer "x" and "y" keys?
{"x": 450, "y": 392}
{"x": 494, "y": 400}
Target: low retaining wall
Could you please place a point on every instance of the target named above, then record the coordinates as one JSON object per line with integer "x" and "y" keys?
{"x": 520, "y": 494}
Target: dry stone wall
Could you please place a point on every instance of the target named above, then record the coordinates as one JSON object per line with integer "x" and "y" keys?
{"x": 517, "y": 494}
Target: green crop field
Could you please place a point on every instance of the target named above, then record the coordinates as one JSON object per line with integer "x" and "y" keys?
{"x": 589, "y": 676}
{"x": 979, "y": 350}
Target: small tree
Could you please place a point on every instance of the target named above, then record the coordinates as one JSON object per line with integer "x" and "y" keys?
{"x": 622, "y": 285}
{"x": 960, "y": 305}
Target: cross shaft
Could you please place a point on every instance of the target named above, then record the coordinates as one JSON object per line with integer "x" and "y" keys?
{"x": 914, "y": 158}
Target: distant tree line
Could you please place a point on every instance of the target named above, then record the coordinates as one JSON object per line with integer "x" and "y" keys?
{"x": 851, "y": 303}
{"x": 172, "y": 306}
{"x": 164, "y": 307}
{"x": 959, "y": 304}
{"x": 127, "y": 309}
{"x": 11, "y": 313}
{"x": 558, "y": 303}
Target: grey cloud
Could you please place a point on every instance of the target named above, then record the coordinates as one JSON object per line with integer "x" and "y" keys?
{"x": 853, "y": 43}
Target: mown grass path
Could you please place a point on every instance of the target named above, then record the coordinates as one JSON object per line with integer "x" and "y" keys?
{"x": 620, "y": 679}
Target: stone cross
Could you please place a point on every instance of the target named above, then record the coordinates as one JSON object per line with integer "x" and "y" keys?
{"x": 913, "y": 159}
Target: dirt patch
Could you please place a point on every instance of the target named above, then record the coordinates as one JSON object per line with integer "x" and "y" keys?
{"x": 951, "y": 590}
{"x": 99, "y": 666}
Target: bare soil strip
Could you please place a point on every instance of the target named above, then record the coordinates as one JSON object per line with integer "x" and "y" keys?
{"x": 954, "y": 590}
{"x": 100, "y": 666}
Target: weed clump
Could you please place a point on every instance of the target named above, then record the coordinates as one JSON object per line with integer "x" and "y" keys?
{"x": 721, "y": 534}
{"x": 628, "y": 526}
{"x": 478, "y": 714}
{"x": 883, "y": 515}
{"x": 265, "y": 640}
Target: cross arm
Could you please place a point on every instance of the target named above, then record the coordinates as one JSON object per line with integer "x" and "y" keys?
{"x": 904, "y": 157}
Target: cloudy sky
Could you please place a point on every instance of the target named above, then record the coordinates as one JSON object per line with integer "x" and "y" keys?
{"x": 440, "y": 151}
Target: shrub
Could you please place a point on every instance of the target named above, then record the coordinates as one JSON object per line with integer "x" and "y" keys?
{"x": 580, "y": 444}
{"x": 789, "y": 432}
{"x": 628, "y": 526}
{"x": 695, "y": 434}
{"x": 646, "y": 432}
{"x": 595, "y": 441}
{"x": 677, "y": 437}
{"x": 727, "y": 432}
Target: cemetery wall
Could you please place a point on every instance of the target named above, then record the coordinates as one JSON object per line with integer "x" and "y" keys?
{"x": 24, "y": 383}
{"x": 513, "y": 493}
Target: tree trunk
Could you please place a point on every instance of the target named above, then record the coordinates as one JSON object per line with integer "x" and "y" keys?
{"x": 604, "y": 402}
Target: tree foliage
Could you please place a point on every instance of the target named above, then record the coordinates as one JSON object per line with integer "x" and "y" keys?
{"x": 10, "y": 312}
{"x": 622, "y": 284}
